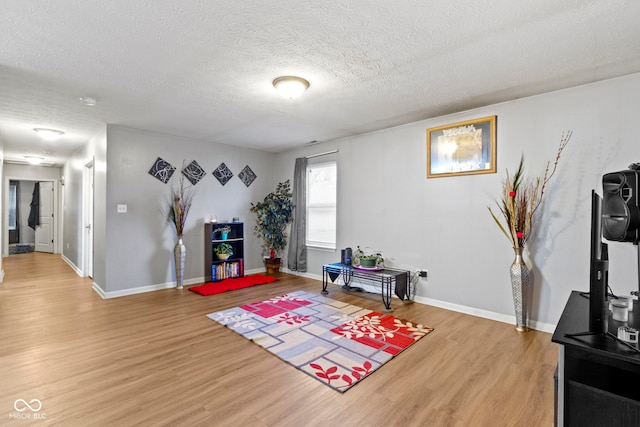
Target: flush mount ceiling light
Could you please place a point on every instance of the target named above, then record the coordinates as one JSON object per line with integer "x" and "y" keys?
{"x": 34, "y": 160}
{"x": 290, "y": 86}
{"x": 88, "y": 101}
{"x": 49, "y": 134}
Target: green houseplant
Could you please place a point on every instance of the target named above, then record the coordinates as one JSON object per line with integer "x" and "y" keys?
{"x": 367, "y": 258}
{"x": 272, "y": 216}
{"x": 223, "y": 250}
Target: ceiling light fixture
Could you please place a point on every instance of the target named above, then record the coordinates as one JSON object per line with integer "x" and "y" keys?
{"x": 49, "y": 134}
{"x": 88, "y": 101}
{"x": 34, "y": 160}
{"x": 290, "y": 86}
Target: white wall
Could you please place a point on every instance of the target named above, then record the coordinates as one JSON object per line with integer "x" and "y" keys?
{"x": 386, "y": 202}
{"x": 139, "y": 244}
{"x": 95, "y": 150}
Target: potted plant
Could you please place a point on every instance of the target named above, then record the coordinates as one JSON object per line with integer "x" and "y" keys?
{"x": 367, "y": 259}
{"x": 223, "y": 250}
{"x": 224, "y": 232}
{"x": 272, "y": 216}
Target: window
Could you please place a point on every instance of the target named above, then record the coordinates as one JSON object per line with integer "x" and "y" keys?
{"x": 12, "y": 205}
{"x": 321, "y": 205}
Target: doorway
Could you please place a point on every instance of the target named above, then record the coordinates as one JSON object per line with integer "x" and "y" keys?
{"x": 19, "y": 236}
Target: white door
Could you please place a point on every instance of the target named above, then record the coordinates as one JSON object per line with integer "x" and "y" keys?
{"x": 44, "y": 231}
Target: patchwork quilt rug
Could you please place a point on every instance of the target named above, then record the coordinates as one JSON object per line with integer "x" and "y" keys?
{"x": 336, "y": 343}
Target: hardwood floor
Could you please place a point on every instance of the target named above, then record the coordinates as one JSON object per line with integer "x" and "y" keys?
{"x": 156, "y": 359}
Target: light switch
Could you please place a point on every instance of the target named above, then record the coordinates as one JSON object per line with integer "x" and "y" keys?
{"x": 122, "y": 208}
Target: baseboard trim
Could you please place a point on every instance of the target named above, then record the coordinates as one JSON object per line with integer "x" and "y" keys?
{"x": 157, "y": 287}
{"x": 301, "y": 274}
{"x": 485, "y": 314}
{"x": 72, "y": 265}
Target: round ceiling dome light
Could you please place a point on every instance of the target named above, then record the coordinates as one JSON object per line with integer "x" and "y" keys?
{"x": 49, "y": 134}
{"x": 88, "y": 101}
{"x": 290, "y": 86}
{"x": 34, "y": 160}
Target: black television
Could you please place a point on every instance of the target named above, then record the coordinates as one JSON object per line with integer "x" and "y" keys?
{"x": 599, "y": 270}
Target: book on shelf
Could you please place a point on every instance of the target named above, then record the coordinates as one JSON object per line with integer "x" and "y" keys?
{"x": 227, "y": 270}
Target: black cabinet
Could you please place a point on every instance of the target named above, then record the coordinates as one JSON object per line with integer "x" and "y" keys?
{"x": 216, "y": 234}
{"x": 598, "y": 378}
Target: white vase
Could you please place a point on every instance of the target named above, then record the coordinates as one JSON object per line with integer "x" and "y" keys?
{"x": 179, "y": 253}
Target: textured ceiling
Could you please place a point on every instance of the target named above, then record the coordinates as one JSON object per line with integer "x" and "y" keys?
{"x": 203, "y": 69}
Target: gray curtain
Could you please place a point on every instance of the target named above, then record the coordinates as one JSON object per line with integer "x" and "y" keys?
{"x": 297, "y": 256}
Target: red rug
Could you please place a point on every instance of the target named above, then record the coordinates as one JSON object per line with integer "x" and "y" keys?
{"x": 213, "y": 288}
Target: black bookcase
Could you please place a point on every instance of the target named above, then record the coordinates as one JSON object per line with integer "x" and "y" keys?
{"x": 216, "y": 269}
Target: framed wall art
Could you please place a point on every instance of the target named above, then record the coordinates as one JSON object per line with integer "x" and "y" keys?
{"x": 162, "y": 170}
{"x": 464, "y": 148}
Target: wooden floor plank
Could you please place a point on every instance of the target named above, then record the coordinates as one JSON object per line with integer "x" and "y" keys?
{"x": 156, "y": 359}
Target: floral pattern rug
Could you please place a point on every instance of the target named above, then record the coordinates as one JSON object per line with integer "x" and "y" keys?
{"x": 336, "y": 343}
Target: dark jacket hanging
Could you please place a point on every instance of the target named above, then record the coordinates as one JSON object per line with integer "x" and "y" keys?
{"x": 34, "y": 214}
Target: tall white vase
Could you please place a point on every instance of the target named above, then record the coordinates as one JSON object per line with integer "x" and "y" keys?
{"x": 179, "y": 253}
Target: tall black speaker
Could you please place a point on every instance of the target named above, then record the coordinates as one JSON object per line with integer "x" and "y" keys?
{"x": 620, "y": 212}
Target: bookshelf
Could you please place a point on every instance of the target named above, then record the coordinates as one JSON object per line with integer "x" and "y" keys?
{"x": 216, "y": 269}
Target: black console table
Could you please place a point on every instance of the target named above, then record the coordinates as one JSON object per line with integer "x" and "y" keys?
{"x": 598, "y": 377}
{"x": 389, "y": 279}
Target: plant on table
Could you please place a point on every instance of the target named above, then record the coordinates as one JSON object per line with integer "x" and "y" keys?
{"x": 367, "y": 258}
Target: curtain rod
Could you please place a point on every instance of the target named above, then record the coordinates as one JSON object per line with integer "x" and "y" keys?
{"x": 321, "y": 154}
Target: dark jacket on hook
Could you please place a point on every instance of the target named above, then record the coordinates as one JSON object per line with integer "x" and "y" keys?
{"x": 34, "y": 214}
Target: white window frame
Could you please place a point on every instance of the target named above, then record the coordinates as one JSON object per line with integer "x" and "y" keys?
{"x": 327, "y": 245}
{"x": 12, "y": 220}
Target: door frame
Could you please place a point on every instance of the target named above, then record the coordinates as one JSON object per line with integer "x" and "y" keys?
{"x": 5, "y": 221}
{"x": 88, "y": 194}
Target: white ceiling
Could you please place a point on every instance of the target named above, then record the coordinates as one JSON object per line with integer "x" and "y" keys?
{"x": 203, "y": 69}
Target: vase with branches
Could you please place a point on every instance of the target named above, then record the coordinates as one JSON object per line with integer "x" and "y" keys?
{"x": 516, "y": 218}
{"x": 181, "y": 198}
{"x": 521, "y": 198}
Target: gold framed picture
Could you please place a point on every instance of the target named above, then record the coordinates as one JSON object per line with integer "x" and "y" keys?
{"x": 464, "y": 148}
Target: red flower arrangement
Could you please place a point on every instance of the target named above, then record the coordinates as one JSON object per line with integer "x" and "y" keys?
{"x": 522, "y": 197}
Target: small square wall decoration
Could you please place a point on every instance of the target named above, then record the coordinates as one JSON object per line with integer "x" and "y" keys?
{"x": 162, "y": 170}
{"x": 247, "y": 176}
{"x": 194, "y": 172}
{"x": 223, "y": 174}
